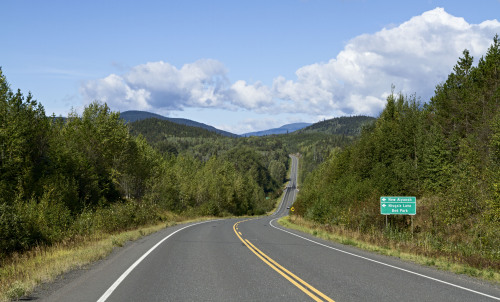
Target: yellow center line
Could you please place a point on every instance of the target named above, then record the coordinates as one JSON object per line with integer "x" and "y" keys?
{"x": 293, "y": 275}
{"x": 281, "y": 270}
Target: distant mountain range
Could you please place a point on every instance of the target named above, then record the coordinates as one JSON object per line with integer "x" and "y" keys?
{"x": 289, "y": 128}
{"x": 135, "y": 115}
{"x": 340, "y": 125}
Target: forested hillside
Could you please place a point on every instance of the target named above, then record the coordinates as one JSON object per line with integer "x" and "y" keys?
{"x": 169, "y": 137}
{"x": 61, "y": 179}
{"x": 345, "y": 125}
{"x": 316, "y": 142}
{"x": 446, "y": 153}
{"x": 314, "y": 145}
{"x": 135, "y": 115}
{"x": 67, "y": 178}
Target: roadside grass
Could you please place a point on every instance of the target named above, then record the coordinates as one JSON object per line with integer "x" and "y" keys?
{"x": 21, "y": 273}
{"x": 385, "y": 247}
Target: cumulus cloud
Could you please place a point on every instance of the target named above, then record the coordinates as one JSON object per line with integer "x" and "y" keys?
{"x": 414, "y": 56}
{"x": 161, "y": 85}
{"x": 255, "y": 97}
{"x": 113, "y": 90}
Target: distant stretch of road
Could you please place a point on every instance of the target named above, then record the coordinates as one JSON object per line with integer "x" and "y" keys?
{"x": 257, "y": 260}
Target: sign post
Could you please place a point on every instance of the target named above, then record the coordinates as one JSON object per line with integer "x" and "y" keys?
{"x": 398, "y": 205}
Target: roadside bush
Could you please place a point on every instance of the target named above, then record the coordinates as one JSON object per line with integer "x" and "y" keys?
{"x": 13, "y": 235}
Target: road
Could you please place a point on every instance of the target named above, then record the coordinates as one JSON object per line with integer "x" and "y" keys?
{"x": 258, "y": 260}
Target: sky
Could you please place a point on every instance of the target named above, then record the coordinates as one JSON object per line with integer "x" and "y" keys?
{"x": 239, "y": 66}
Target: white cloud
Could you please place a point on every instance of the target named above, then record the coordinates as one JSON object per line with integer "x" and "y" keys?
{"x": 113, "y": 90}
{"x": 414, "y": 56}
{"x": 162, "y": 86}
{"x": 255, "y": 97}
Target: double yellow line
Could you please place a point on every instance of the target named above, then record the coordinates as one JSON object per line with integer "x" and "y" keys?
{"x": 308, "y": 289}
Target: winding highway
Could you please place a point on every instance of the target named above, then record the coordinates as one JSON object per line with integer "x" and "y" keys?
{"x": 257, "y": 260}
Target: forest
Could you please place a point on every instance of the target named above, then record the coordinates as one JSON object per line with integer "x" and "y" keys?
{"x": 445, "y": 152}
{"x": 62, "y": 179}
{"x": 67, "y": 178}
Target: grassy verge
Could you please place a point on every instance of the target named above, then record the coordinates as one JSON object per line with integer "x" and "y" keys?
{"x": 21, "y": 273}
{"x": 389, "y": 248}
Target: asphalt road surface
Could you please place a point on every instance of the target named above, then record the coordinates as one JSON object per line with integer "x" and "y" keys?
{"x": 257, "y": 260}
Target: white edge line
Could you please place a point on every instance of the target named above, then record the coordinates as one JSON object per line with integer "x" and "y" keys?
{"x": 382, "y": 263}
{"x": 110, "y": 290}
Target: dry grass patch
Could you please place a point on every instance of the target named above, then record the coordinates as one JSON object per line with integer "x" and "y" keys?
{"x": 374, "y": 243}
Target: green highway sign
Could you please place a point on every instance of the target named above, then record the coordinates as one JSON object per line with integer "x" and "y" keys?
{"x": 390, "y": 205}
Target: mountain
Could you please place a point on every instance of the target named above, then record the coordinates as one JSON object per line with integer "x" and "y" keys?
{"x": 289, "y": 128}
{"x": 135, "y": 115}
{"x": 154, "y": 130}
{"x": 347, "y": 125}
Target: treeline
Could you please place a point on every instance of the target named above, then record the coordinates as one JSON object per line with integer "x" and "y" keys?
{"x": 446, "y": 153}
{"x": 344, "y": 125}
{"x": 314, "y": 143}
{"x": 61, "y": 179}
{"x": 65, "y": 178}
{"x": 157, "y": 129}
{"x": 175, "y": 139}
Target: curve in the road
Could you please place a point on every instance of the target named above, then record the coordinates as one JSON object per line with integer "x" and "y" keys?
{"x": 208, "y": 263}
{"x": 295, "y": 280}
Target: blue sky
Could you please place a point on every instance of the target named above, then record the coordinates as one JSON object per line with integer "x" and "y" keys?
{"x": 237, "y": 65}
